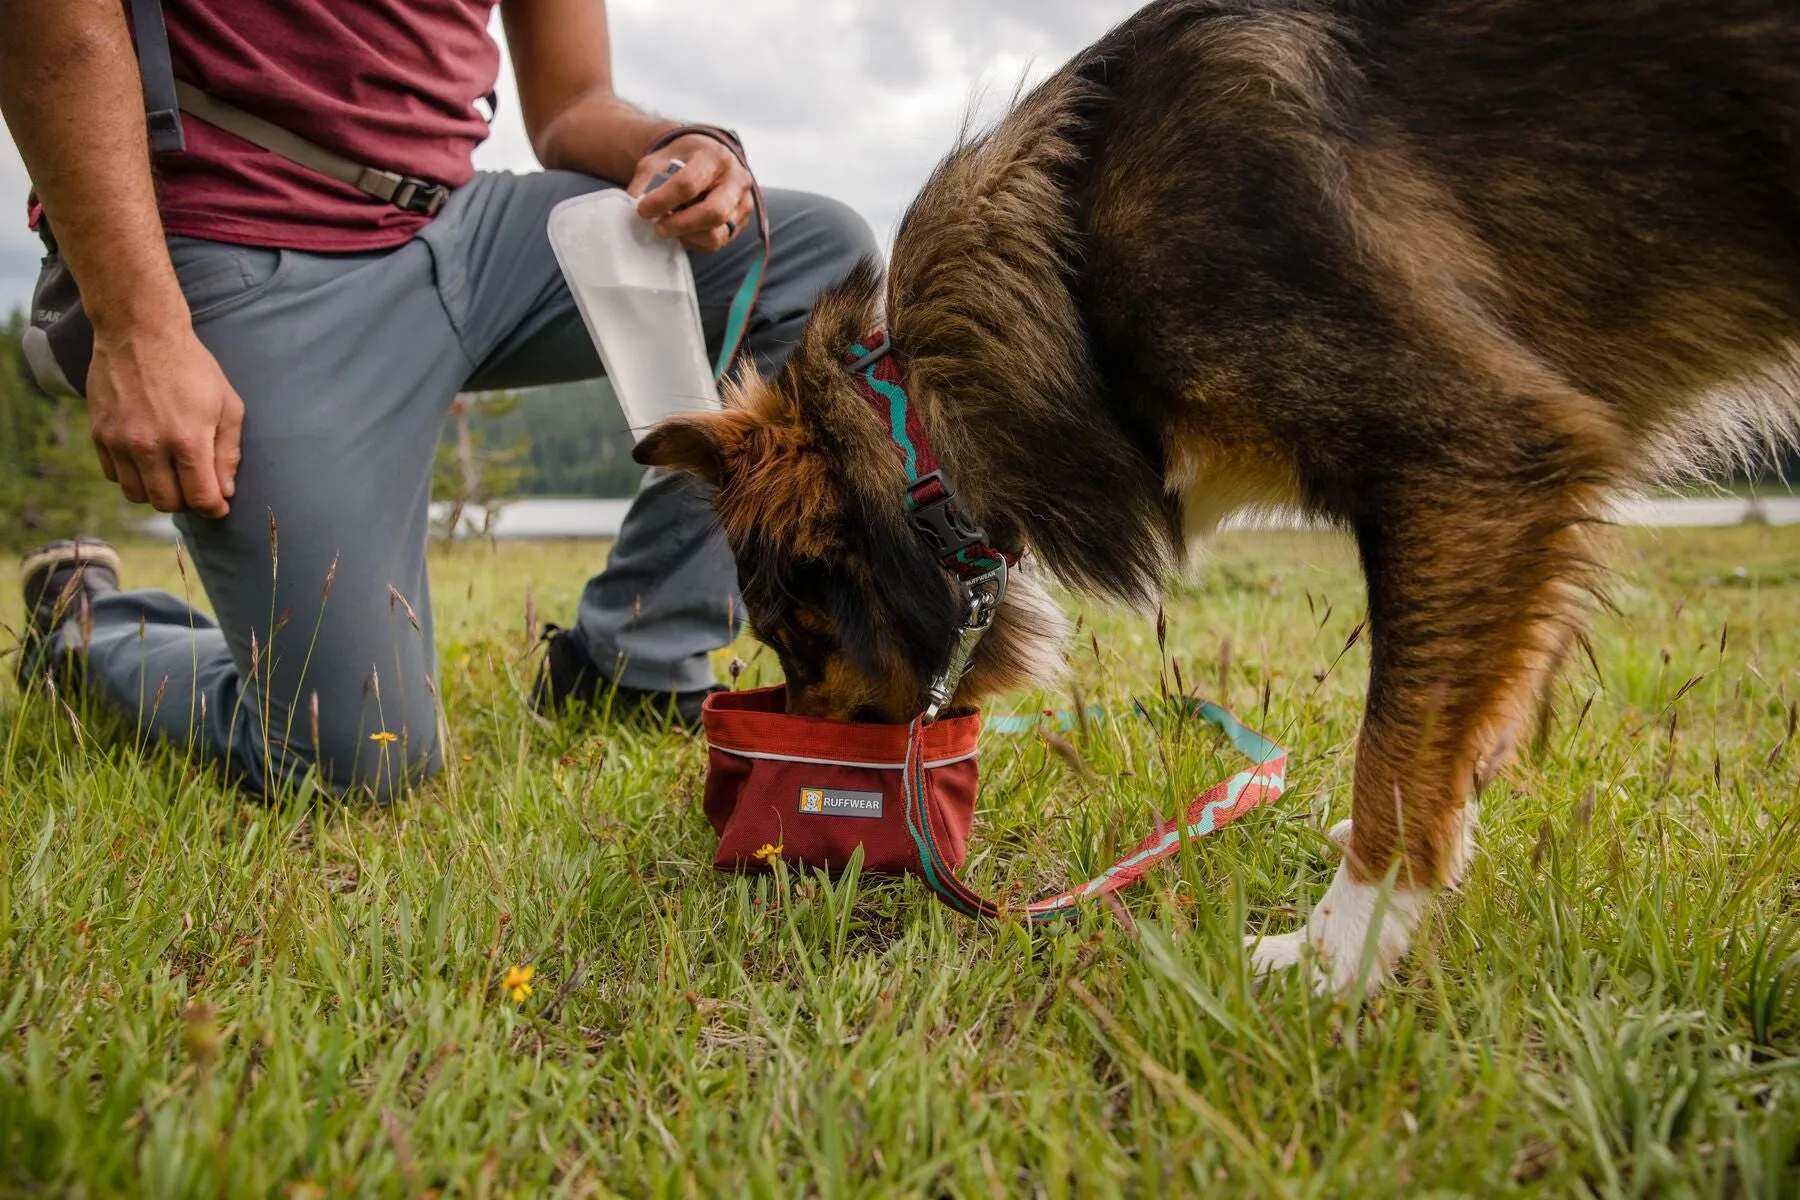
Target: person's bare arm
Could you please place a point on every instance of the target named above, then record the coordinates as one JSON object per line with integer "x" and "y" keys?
{"x": 562, "y": 56}
{"x": 164, "y": 420}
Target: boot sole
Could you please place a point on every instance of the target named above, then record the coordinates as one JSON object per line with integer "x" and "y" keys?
{"x": 68, "y": 554}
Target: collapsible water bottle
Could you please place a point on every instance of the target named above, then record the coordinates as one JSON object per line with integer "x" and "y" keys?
{"x": 636, "y": 295}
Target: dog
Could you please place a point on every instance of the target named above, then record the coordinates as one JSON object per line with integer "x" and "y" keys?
{"x": 1445, "y": 273}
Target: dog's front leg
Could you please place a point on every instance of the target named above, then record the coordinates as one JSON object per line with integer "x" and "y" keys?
{"x": 1469, "y": 600}
{"x": 1337, "y": 935}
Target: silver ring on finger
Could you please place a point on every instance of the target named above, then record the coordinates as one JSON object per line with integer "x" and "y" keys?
{"x": 730, "y": 228}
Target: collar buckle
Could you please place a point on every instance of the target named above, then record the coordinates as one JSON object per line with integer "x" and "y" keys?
{"x": 943, "y": 522}
{"x": 935, "y": 513}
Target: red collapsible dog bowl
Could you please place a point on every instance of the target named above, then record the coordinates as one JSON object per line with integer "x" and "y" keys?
{"x": 812, "y": 791}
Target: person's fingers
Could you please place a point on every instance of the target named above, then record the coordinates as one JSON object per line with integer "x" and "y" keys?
{"x": 746, "y": 215}
{"x": 228, "y": 449}
{"x": 722, "y": 204}
{"x": 721, "y": 236}
{"x": 106, "y": 462}
{"x": 129, "y": 482}
{"x": 693, "y": 180}
{"x": 197, "y": 476}
{"x": 162, "y": 486}
{"x": 716, "y": 238}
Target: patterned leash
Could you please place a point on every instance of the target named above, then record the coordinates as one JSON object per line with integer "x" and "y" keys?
{"x": 1213, "y": 809}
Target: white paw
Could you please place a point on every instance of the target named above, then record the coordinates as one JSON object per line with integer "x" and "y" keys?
{"x": 1276, "y": 952}
{"x": 1339, "y": 836}
{"x": 1339, "y": 933}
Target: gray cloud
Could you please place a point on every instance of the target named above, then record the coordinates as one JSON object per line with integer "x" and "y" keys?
{"x": 851, "y": 98}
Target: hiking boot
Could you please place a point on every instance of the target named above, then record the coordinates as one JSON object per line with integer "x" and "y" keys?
{"x": 568, "y": 679}
{"x": 61, "y": 581}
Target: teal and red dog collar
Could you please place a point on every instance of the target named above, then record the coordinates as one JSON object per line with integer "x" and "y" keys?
{"x": 933, "y": 508}
{"x": 934, "y": 511}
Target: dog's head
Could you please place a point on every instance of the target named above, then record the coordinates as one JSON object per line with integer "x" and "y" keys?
{"x": 809, "y": 492}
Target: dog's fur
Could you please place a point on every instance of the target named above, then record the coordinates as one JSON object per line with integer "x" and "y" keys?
{"x": 1444, "y": 272}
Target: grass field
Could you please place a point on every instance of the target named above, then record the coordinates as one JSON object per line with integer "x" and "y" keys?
{"x": 206, "y": 996}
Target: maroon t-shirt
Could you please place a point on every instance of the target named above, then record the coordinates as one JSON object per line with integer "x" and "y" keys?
{"x": 388, "y": 83}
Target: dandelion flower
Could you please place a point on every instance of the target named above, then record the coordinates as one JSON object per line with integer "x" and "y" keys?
{"x": 518, "y": 982}
{"x": 384, "y": 737}
{"x": 767, "y": 851}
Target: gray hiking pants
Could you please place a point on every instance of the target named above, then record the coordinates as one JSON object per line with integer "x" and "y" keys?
{"x": 347, "y": 365}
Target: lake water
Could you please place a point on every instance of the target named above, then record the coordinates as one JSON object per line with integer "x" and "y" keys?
{"x": 1667, "y": 512}
{"x": 548, "y": 518}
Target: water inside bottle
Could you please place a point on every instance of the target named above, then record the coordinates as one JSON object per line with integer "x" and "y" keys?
{"x": 655, "y": 360}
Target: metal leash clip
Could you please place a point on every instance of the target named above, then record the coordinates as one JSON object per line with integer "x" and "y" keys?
{"x": 982, "y": 596}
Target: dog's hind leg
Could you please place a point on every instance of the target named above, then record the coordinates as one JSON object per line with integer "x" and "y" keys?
{"x": 1472, "y": 590}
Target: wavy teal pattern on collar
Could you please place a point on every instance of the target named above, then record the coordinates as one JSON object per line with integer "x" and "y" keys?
{"x": 897, "y": 402}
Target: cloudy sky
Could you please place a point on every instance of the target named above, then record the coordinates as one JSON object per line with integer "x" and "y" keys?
{"x": 848, "y": 97}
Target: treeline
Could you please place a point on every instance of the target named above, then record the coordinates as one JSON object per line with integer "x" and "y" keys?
{"x": 559, "y": 441}
{"x": 569, "y": 440}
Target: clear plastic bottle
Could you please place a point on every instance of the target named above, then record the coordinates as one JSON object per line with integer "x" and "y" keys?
{"x": 635, "y": 292}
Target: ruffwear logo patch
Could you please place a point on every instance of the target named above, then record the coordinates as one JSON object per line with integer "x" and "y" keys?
{"x": 835, "y": 802}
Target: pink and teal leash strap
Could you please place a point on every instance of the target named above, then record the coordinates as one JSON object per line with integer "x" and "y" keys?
{"x": 1212, "y": 810}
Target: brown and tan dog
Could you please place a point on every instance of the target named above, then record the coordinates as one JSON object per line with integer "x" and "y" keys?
{"x": 1445, "y": 273}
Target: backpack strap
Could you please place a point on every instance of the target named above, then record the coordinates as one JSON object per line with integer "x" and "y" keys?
{"x": 402, "y": 191}
{"x": 166, "y": 98}
{"x": 161, "y": 112}
{"x": 1213, "y": 809}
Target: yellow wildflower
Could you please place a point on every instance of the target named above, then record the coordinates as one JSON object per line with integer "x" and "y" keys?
{"x": 518, "y": 982}
{"x": 767, "y": 852}
{"x": 384, "y": 737}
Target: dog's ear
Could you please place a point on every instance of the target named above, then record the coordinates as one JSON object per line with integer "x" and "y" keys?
{"x": 688, "y": 444}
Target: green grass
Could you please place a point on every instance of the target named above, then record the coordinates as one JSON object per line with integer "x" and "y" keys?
{"x": 204, "y": 995}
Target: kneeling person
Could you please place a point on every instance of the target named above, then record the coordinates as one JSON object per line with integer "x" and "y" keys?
{"x": 276, "y": 350}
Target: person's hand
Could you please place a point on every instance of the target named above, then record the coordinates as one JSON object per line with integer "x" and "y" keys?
{"x": 164, "y": 420}
{"x": 713, "y": 175}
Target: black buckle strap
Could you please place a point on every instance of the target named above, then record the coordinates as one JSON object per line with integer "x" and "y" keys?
{"x": 944, "y": 523}
{"x": 420, "y": 196}
{"x": 166, "y": 133}
{"x": 162, "y": 112}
